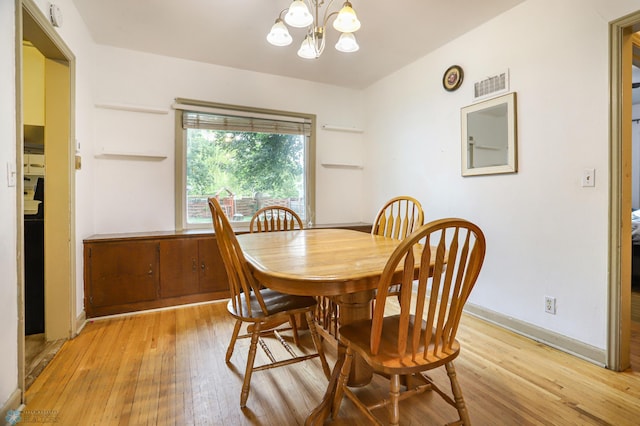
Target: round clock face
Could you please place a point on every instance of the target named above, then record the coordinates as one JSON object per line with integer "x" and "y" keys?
{"x": 452, "y": 78}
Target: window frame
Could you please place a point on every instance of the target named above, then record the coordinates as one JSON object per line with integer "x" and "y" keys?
{"x": 181, "y": 105}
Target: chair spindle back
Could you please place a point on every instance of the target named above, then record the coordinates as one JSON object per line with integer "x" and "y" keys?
{"x": 241, "y": 281}
{"x": 450, "y": 253}
{"x": 398, "y": 218}
{"x": 275, "y": 218}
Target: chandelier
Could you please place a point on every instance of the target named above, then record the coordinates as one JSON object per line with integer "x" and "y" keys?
{"x": 298, "y": 15}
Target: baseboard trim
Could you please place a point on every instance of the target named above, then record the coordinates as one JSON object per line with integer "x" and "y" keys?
{"x": 13, "y": 403}
{"x": 152, "y": 310}
{"x": 558, "y": 341}
{"x": 81, "y": 321}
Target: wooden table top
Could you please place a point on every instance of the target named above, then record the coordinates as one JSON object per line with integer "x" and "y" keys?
{"x": 317, "y": 262}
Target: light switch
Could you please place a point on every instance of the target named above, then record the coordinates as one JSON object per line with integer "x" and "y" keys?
{"x": 589, "y": 177}
{"x": 11, "y": 174}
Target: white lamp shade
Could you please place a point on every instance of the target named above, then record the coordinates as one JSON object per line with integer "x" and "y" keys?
{"x": 346, "y": 21}
{"x": 279, "y": 34}
{"x": 298, "y": 15}
{"x": 307, "y": 49}
{"x": 347, "y": 43}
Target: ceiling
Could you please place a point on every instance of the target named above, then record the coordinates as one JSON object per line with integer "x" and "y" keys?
{"x": 233, "y": 33}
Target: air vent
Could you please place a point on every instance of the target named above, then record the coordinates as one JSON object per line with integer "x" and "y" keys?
{"x": 491, "y": 86}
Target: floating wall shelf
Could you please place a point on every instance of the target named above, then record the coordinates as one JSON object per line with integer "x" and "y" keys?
{"x": 133, "y": 108}
{"x": 130, "y": 155}
{"x": 341, "y": 166}
{"x": 341, "y": 128}
{"x": 492, "y": 148}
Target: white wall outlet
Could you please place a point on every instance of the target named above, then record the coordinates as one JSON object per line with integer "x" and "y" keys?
{"x": 589, "y": 177}
{"x": 550, "y": 305}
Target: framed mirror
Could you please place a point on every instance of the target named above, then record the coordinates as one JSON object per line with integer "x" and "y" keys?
{"x": 489, "y": 137}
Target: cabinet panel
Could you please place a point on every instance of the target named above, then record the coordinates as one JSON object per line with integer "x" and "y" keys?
{"x": 213, "y": 277}
{"x": 33, "y": 164}
{"x": 36, "y": 164}
{"x": 179, "y": 267}
{"x": 122, "y": 272}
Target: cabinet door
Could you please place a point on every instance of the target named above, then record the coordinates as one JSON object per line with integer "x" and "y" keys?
{"x": 36, "y": 164}
{"x": 213, "y": 277}
{"x": 122, "y": 272}
{"x": 178, "y": 267}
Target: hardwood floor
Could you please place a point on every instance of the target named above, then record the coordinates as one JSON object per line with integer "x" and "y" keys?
{"x": 38, "y": 353}
{"x": 635, "y": 306}
{"x": 168, "y": 368}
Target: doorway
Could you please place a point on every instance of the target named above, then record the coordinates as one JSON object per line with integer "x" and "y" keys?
{"x": 57, "y": 238}
{"x": 621, "y": 190}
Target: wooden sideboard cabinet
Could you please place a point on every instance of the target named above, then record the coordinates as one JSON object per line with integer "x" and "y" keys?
{"x": 191, "y": 266}
{"x": 131, "y": 272}
{"x": 138, "y": 271}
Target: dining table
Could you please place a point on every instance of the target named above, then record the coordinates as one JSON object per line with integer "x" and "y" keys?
{"x": 343, "y": 264}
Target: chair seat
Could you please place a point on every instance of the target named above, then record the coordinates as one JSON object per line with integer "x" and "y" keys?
{"x": 388, "y": 360}
{"x": 276, "y": 303}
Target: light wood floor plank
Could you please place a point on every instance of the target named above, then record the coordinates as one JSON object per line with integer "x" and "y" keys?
{"x": 168, "y": 368}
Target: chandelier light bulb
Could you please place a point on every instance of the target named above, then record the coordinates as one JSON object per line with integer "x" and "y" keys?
{"x": 307, "y": 48}
{"x": 346, "y": 21}
{"x": 298, "y": 15}
{"x": 279, "y": 34}
{"x": 347, "y": 43}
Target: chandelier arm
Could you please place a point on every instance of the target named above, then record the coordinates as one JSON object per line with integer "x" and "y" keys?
{"x": 326, "y": 11}
{"x": 326, "y": 19}
{"x": 281, "y": 12}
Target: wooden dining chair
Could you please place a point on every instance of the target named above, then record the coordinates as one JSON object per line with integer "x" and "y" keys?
{"x": 258, "y": 307}
{"x": 399, "y": 217}
{"x": 275, "y": 218}
{"x": 422, "y": 337}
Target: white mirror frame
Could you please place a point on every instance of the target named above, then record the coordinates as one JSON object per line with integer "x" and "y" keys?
{"x": 506, "y": 137}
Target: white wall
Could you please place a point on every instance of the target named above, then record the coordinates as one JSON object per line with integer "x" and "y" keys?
{"x": 8, "y": 283}
{"x": 546, "y": 235}
{"x": 139, "y": 195}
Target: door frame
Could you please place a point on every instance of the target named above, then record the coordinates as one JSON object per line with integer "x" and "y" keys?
{"x": 620, "y": 170}
{"x": 63, "y": 308}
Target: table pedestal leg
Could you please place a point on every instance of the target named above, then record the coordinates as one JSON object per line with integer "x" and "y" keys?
{"x": 352, "y": 307}
{"x": 356, "y": 307}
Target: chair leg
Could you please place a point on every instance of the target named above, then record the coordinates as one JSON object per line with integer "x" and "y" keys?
{"x": 294, "y": 328}
{"x": 457, "y": 394}
{"x": 255, "y": 335}
{"x": 234, "y": 337}
{"x": 394, "y": 396}
{"x": 342, "y": 382}
{"x": 317, "y": 342}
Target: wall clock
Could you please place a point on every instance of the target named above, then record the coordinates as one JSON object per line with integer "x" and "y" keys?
{"x": 452, "y": 78}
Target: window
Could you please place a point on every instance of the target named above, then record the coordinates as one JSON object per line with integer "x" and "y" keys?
{"x": 246, "y": 157}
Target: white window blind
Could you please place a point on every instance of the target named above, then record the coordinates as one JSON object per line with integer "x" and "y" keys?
{"x": 210, "y": 121}
{"x": 212, "y": 116}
